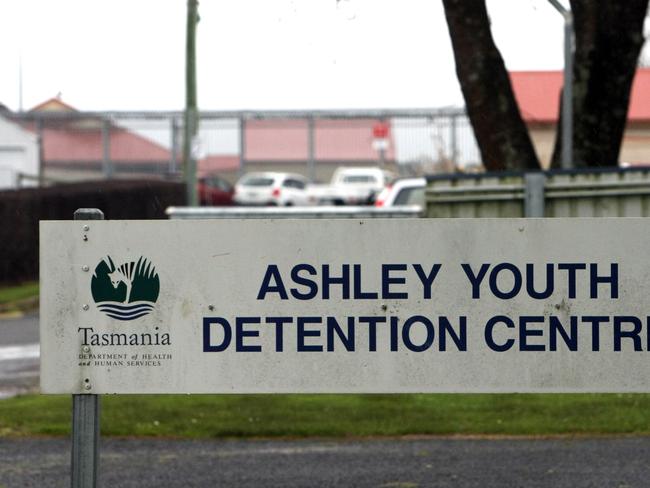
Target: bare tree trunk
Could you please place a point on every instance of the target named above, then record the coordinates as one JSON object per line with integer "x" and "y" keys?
{"x": 500, "y": 131}
{"x": 608, "y": 39}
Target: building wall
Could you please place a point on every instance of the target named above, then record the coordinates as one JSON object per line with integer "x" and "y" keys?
{"x": 636, "y": 145}
{"x": 18, "y": 156}
{"x": 543, "y": 137}
{"x": 635, "y": 149}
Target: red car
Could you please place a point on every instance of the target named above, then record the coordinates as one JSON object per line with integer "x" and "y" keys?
{"x": 214, "y": 191}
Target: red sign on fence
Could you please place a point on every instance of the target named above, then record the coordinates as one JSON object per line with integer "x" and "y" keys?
{"x": 380, "y": 130}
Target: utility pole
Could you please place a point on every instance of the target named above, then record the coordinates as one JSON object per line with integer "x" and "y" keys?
{"x": 191, "y": 126}
{"x": 567, "y": 91}
{"x": 20, "y": 83}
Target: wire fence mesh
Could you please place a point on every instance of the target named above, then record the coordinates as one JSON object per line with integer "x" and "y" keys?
{"x": 75, "y": 146}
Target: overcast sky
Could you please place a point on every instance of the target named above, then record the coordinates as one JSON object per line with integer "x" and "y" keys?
{"x": 255, "y": 54}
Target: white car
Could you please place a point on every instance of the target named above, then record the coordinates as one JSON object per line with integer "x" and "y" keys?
{"x": 358, "y": 186}
{"x": 407, "y": 191}
{"x": 281, "y": 189}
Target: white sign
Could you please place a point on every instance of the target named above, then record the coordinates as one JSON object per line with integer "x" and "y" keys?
{"x": 484, "y": 305}
{"x": 380, "y": 144}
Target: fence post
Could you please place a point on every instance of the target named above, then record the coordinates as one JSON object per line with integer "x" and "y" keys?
{"x": 382, "y": 151}
{"x": 311, "y": 161}
{"x": 173, "y": 161}
{"x": 242, "y": 145}
{"x": 454, "y": 140}
{"x": 534, "y": 204}
{"x": 107, "y": 165}
{"x": 85, "y": 414}
{"x": 41, "y": 152}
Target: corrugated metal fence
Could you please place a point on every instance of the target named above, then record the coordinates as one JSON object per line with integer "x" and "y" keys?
{"x": 608, "y": 193}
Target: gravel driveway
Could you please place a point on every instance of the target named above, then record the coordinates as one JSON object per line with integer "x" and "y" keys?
{"x": 388, "y": 463}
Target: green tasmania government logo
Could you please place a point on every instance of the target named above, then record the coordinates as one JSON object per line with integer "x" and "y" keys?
{"x": 127, "y": 291}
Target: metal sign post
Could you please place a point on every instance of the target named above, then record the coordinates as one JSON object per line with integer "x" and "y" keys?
{"x": 534, "y": 198}
{"x": 85, "y": 409}
{"x": 380, "y": 132}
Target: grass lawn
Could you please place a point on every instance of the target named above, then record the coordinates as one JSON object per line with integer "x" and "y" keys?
{"x": 206, "y": 416}
{"x": 10, "y": 294}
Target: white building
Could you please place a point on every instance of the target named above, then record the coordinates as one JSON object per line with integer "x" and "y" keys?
{"x": 18, "y": 156}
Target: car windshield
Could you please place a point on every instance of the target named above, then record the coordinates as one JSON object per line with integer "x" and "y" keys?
{"x": 410, "y": 196}
{"x": 257, "y": 181}
{"x": 359, "y": 179}
{"x": 216, "y": 183}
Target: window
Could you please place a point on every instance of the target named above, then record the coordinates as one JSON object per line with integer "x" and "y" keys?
{"x": 359, "y": 179}
{"x": 410, "y": 196}
{"x": 257, "y": 181}
{"x": 292, "y": 183}
{"x": 218, "y": 183}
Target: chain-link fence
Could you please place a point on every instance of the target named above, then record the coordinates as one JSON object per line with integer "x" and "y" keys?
{"x": 77, "y": 146}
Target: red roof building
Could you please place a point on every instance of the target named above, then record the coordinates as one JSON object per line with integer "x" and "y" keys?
{"x": 73, "y": 146}
{"x": 538, "y": 95}
{"x": 215, "y": 163}
{"x": 283, "y": 145}
{"x": 335, "y": 140}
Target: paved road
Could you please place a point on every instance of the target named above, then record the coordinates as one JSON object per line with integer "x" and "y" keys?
{"x": 578, "y": 463}
{"x": 19, "y": 355}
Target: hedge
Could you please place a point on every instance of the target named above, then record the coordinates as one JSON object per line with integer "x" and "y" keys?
{"x": 21, "y": 210}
